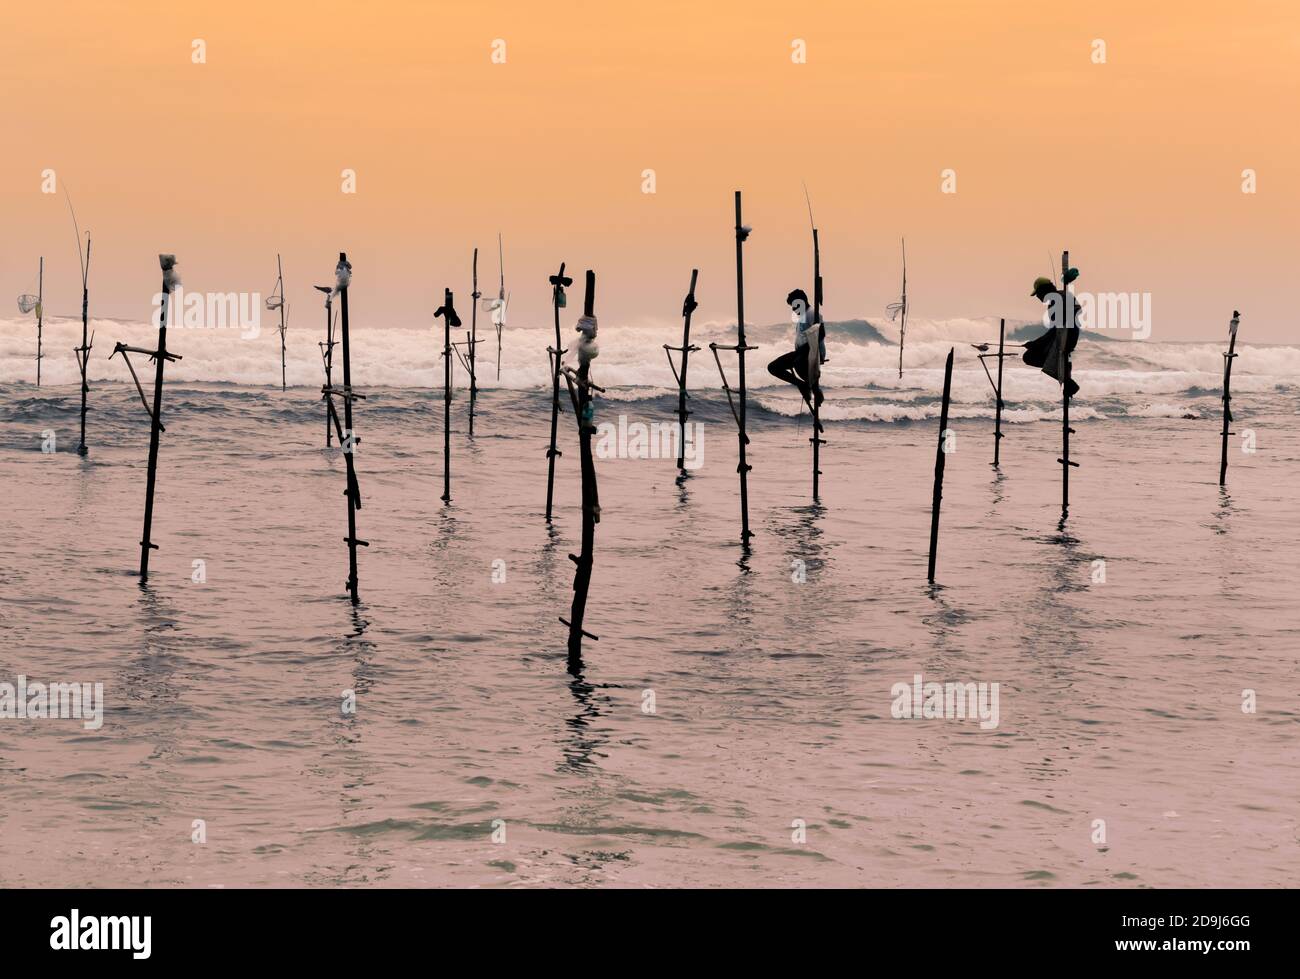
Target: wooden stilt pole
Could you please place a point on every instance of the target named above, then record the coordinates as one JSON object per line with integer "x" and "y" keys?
{"x": 1063, "y": 372}
{"x": 83, "y": 352}
{"x": 558, "y": 283}
{"x": 40, "y": 313}
{"x": 939, "y": 458}
{"x": 473, "y": 345}
{"x": 688, "y": 307}
{"x": 814, "y": 370}
{"x": 280, "y": 283}
{"x": 450, "y": 321}
{"x": 997, "y": 410}
{"x": 1228, "y": 358}
{"x": 582, "y": 397}
{"x": 327, "y": 350}
{"x": 741, "y": 347}
{"x": 347, "y": 438}
{"x": 160, "y": 357}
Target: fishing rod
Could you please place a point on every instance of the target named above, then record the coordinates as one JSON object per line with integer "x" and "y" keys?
{"x": 87, "y": 341}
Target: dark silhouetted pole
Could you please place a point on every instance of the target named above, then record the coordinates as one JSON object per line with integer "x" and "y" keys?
{"x": 1227, "y": 395}
{"x": 450, "y": 321}
{"x": 738, "y": 410}
{"x": 814, "y": 359}
{"x": 997, "y": 410}
{"x": 688, "y": 307}
{"x": 83, "y": 352}
{"x": 581, "y": 395}
{"x": 558, "y": 283}
{"x": 939, "y": 459}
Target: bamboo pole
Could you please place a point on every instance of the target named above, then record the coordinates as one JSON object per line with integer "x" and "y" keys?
{"x": 160, "y": 357}
{"x": 939, "y": 459}
{"x": 83, "y": 352}
{"x": 738, "y": 412}
{"x": 499, "y": 317}
{"x": 280, "y": 281}
{"x": 556, "y": 354}
{"x": 1063, "y": 372}
{"x": 814, "y": 375}
{"x": 473, "y": 345}
{"x": 997, "y": 410}
{"x": 327, "y": 350}
{"x": 1228, "y": 358}
{"x": 582, "y": 397}
{"x": 449, "y": 322}
{"x": 40, "y": 313}
{"x": 347, "y": 437}
{"x": 689, "y": 306}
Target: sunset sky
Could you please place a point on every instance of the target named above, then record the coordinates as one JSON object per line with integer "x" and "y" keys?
{"x": 1134, "y": 165}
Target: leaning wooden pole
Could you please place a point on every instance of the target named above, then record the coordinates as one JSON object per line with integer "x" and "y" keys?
{"x": 83, "y": 352}
{"x": 327, "y": 350}
{"x": 940, "y": 457}
{"x": 347, "y": 438}
{"x": 1228, "y": 358}
{"x": 738, "y": 410}
{"x": 689, "y": 306}
{"x": 160, "y": 357}
{"x": 581, "y": 394}
{"x": 997, "y": 409}
{"x": 450, "y": 321}
{"x": 556, "y": 354}
{"x": 40, "y": 313}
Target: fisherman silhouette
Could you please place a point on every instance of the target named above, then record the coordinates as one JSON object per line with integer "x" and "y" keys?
{"x": 1043, "y": 352}
{"x": 793, "y": 367}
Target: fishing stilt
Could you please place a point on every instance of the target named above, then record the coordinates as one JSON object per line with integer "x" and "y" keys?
{"x": 814, "y": 365}
{"x": 276, "y": 301}
{"x": 87, "y": 342}
{"x": 581, "y": 394}
{"x": 1228, "y": 358}
{"x": 940, "y": 457}
{"x": 497, "y": 307}
{"x": 997, "y": 408}
{"x": 160, "y": 357}
{"x": 327, "y": 349}
{"x": 450, "y": 321}
{"x": 28, "y": 303}
{"x": 900, "y": 307}
{"x": 688, "y": 307}
{"x": 470, "y": 343}
{"x": 741, "y": 347}
{"x": 558, "y": 283}
{"x": 1063, "y": 371}
{"x": 347, "y": 437}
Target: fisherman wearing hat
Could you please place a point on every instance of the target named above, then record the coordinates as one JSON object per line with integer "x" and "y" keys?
{"x": 793, "y": 368}
{"x": 1044, "y": 352}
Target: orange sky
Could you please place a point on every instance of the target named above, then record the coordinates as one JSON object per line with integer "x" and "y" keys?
{"x": 1133, "y": 165}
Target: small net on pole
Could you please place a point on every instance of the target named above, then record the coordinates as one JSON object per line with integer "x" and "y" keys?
{"x": 26, "y": 303}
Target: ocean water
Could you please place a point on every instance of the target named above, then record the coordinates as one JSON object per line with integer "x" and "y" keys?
{"x": 1123, "y": 643}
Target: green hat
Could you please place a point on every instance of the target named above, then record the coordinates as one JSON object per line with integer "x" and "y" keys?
{"x": 1042, "y": 284}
